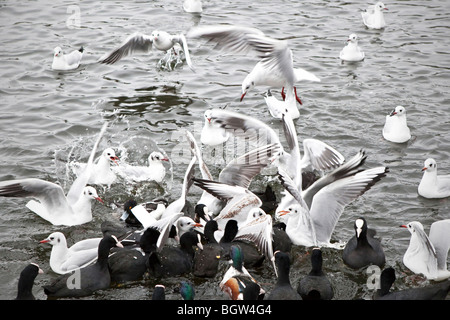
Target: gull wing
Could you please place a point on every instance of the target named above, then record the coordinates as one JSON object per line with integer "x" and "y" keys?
{"x": 137, "y": 42}
{"x": 181, "y": 39}
{"x": 439, "y": 236}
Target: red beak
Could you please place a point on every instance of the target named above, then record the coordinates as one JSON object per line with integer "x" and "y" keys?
{"x": 403, "y": 226}
{"x": 44, "y": 241}
{"x": 425, "y": 168}
{"x": 99, "y": 199}
{"x": 243, "y": 95}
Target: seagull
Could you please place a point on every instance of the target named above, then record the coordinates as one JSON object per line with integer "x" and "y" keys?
{"x": 64, "y": 259}
{"x": 352, "y": 52}
{"x": 68, "y": 61}
{"x": 433, "y": 185}
{"x": 313, "y": 218}
{"x": 427, "y": 255}
{"x": 155, "y": 171}
{"x": 396, "y": 127}
{"x": 161, "y": 40}
{"x": 277, "y": 107}
{"x": 275, "y": 68}
{"x": 212, "y": 135}
{"x": 373, "y": 16}
{"x": 52, "y": 205}
{"x": 102, "y": 172}
{"x": 193, "y": 6}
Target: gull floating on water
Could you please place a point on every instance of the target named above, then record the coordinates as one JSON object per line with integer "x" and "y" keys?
{"x": 427, "y": 255}
{"x": 102, "y": 172}
{"x": 155, "y": 171}
{"x": 352, "y": 52}
{"x": 68, "y": 61}
{"x": 433, "y": 185}
{"x": 275, "y": 68}
{"x": 193, "y": 6}
{"x": 52, "y": 204}
{"x": 65, "y": 259}
{"x": 396, "y": 127}
{"x": 139, "y": 42}
{"x": 373, "y": 16}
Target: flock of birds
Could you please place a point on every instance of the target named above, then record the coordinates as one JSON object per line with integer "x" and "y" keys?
{"x": 231, "y": 223}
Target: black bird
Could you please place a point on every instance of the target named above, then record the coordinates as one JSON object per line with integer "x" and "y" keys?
{"x": 159, "y": 293}
{"x": 187, "y": 290}
{"x": 26, "y": 282}
{"x": 363, "y": 249}
{"x": 175, "y": 260}
{"x": 316, "y": 285}
{"x": 207, "y": 261}
{"x": 87, "y": 280}
{"x": 436, "y": 291}
{"x": 283, "y": 289}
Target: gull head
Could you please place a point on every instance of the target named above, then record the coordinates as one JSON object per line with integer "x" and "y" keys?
{"x": 247, "y": 85}
{"x": 413, "y": 226}
{"x": 429, "y": 165}
{"x": 57, "y": 51}
{"x": 55, "y": 238}
{"x": 353, "y": 38}
{"x": 208, "y": 116}
{"x": 157, "y": 156}
{"x": 380, "y": 6}
{"x": 110, "y": 155}
{"x": 90, "y": 193}
{"x": 399, "y": 111}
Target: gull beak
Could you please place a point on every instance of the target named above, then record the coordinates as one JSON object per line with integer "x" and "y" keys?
{"x": 403, "y": 226}
{"x": 283, "y": 212}
{"x": 209, "y": 120}
{"x": 44, "y": 241}
{"x": 197, "y": 225}
{"x": 393, "y": 113}
{"x": 165, "y": 159}
{"x": 424, "y": 168}
{"x": 115, "y": 159}
{"x": 99, "y": 199}
{"x": 243, "y": 95}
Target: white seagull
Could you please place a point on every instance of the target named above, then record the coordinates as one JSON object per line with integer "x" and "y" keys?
{"x": 52, "y": 204}
{"x": 373, "y": 16}
{"x": 212, "y": 135}
{"x": 352, "y": 52}
{"x": 275, "y": 68}
{"x": 193, "y": 6}
{"x": 64, "y": 259}
{"x": 396, "y": 127}
{"x": 139, "y": 42}
{"x": 68, "y": 61}
{"x": 102, "y": 172}
{"x": 155, "y": 171}
{"x": 313, "y": 218}
{"x": 427, "y": 255}
{"x": 433, "y": 185}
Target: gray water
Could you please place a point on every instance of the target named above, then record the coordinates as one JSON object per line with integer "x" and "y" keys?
{"x": 48, "y": 118}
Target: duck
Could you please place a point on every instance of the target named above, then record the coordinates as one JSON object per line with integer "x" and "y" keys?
{"x": 373, "y": 17}
{"x": 396, "y": 127}
{"x": 68, "y": 61}
{"x": 363, "y": 249}
{"x": 26, "y": 282}
{"x": 434, "y": 291}
{"x": 432, "y": 185}
{"x": 85, "y": 281}
{"x": 316, "y": 285}
{"x": 155, "y": 171}
{"x": 64, "y": 259}
{"x": 175, "y": 260}
{"x": 352, "y": 52}
{"x": 237, "y": 283}
{"x": 187, "y": 290}
{"x": 283, "y": 289}
{"x": 102, "y": 173}
{"x": 427, "y": 254}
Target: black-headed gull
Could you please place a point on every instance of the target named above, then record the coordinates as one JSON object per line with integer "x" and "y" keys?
{"x": 277, "y": 107}
{"x": 396, "y": 127}
{"x": 352, "y": 52}
{"x": 363, "y": 249}
{"x": 155, "y": 171}
{"x": 68, "y": 61}
{"x": 237, "y": 280}
{"x": 212, "y": 135}
{"x": 65, "y": 259}
{"x": 275, "y": 68}
{"x": 26, "y": 282}
{"x": 102, "y": 172}
{"x": 427, "y": 254}
{"x": 313, "y": 218}
{"x": 193, "y": 6}
{"x": 90, "y": 278}
{"x": 139, "y": 42}
{"x": 53, "y": 205}
{"x": 432, "y": 185}
{"x": 373, "y": 16}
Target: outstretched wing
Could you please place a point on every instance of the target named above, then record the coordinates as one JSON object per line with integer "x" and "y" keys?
{"x": 137, "y": 42}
